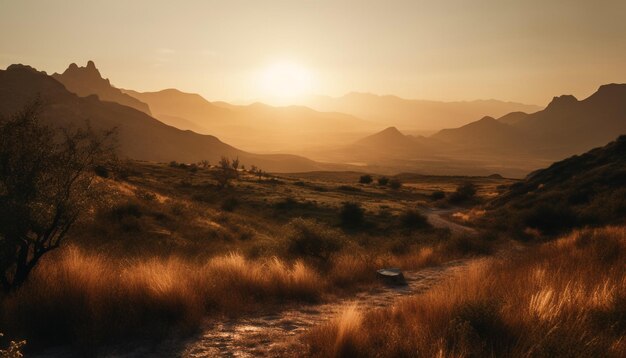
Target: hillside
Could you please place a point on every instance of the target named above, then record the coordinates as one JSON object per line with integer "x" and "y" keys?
{"x": 415, "y": 114}
{"x": 140, "y": 136}
{"x": 587, "y": 189}
{"x": 86, "y": 81}
{"x": 486, "y": 135}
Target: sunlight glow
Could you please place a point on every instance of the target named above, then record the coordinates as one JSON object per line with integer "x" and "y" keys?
{"x": 285, "y": 81}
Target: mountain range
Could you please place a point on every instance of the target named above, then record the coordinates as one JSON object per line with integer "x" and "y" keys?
{"x": 257, "y": 126}
{"x": 513, "y": 145}
{"x": 412, "y": 114}
{"x": 174, "y": 125}
{"x": 140, "y": 136}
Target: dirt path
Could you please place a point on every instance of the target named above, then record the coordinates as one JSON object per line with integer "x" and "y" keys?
{"x": 437, "y": 219}
{"x": 276, "y": 334}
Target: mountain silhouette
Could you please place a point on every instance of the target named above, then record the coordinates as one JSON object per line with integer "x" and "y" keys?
{"x": 485, "y": 135}
{"x": 140, "y": 136}
{"x": 86, "y": 81}
{"x": 256, "y": 126}
{"x": 415, "y": 114}
{"x": 513, "y": 145}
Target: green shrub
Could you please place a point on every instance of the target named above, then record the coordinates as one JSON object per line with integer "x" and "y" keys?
{"x": 437, "y": 195}
{"x": 229, "y": 204}
{"x": 464, "y": 192}
{"x": 382, "y": 181}
{"x": 413, "y": 219}
{"x": 365, "y": 179}
{"x": 395, "y": 184}
{"x": 308, "y": 238}
{"x": 352, "y": 215}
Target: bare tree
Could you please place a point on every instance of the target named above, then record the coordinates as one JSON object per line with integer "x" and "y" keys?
{"x": 46, "y": 181}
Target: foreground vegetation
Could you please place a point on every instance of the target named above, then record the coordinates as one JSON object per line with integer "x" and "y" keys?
{"x": 166, "y": 246}
{"x": 565, "y": 298}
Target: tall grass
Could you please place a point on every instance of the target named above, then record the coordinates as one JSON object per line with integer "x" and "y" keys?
{"x": 562, "y": 299}
{"x": 89, "y": 299}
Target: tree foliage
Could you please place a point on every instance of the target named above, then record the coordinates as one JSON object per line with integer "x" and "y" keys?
{"x": 46, "y": 181}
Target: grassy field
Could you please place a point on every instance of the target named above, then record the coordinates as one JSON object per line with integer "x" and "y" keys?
{"x": 165, "y": 247}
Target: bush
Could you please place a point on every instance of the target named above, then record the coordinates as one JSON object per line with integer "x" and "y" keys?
{"x": 437, "y": 195}
{"x": 349, "y": 188}
{"x": 413, "y": 219}
{"x": 229, "y": 204}
{"x": 382, "y": 181}
{"x": 365, "y": 179}
{"x": 395, "y": 184}
{"x": 464, "y": 192}
{"x": 308, "y": 238}
{"x": 352, "y": 214}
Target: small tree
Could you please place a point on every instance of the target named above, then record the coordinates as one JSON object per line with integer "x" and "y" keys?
{"x": 365, "y": 179}
{"x": 46, "y": 181}
{"x": 224, "y": 163}
{"x": 225, "y": 174}
{"x": 382, "y": 181}
{"x": 204, "y": 164}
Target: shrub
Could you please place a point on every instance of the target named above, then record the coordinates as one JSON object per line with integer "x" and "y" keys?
{"x": 382, "y": 181}
{"x": 229, "y": 204}
{"x": 101, "y": 171}
{"x": 413, "y": 219}
{"x": 437, "y": 195}
{"x": 308, "y": 238}
{"x": 395, "y": 184}
{"x": 352, "y": 215}
{"x": 348, "y": 188}
{"x": 365, "y": 179}
{"x": 464, "y": 192}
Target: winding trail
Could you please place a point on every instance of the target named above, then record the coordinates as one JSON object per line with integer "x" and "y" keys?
{"x": 271, "y": 335}
{"x": 436, "y": 218}
{"x": 277, "y": 333}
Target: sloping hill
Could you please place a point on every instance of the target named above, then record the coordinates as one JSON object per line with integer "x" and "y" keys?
{"x": 86, "y": 81}
{"x": 587, "y": 189}
{"x": 486, "y": 134}
{"x": 140, "y": 136}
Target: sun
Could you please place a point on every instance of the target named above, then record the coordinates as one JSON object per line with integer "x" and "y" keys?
{"x": 285, "y": 81}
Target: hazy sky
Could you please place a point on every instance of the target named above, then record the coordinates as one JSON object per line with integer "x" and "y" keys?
{"x": 525, "y": 51}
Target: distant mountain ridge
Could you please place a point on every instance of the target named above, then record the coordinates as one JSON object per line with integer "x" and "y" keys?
{"x": 412, "y": 114}
{"x": 257, "y": 125}
{"x": 140, "y": 136}
{"x": 86, "y": 81}
{"x": 513, "y": 145}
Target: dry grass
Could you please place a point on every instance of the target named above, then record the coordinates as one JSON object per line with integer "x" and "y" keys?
{"x": 562, "y": 299}
{"x": 90, "y": 299}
